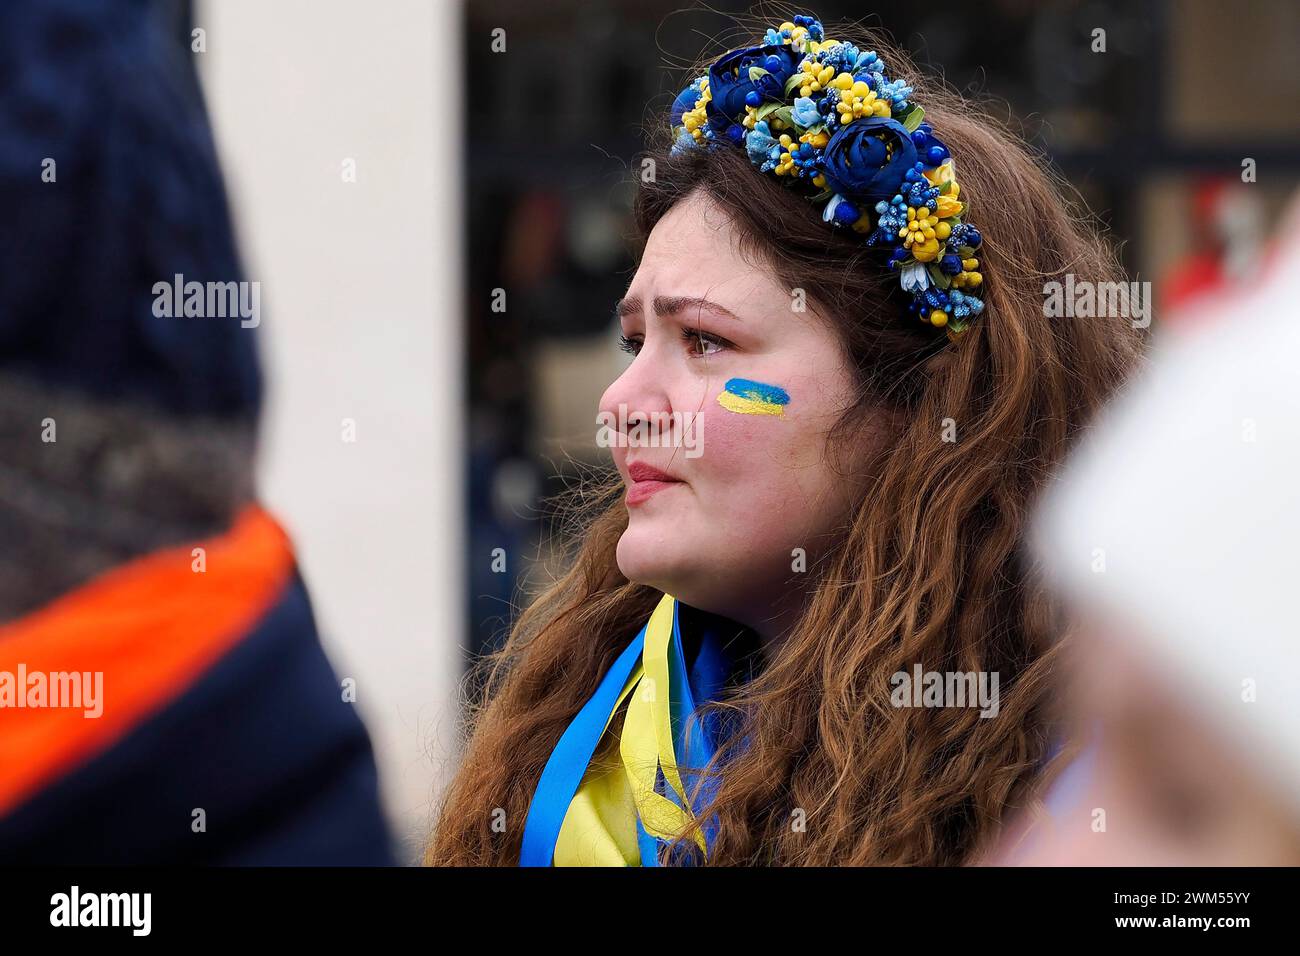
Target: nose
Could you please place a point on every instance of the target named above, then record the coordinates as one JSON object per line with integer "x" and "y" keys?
{"x": 637, "y": 403}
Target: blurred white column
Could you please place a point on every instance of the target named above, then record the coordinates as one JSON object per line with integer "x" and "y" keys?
{"x": 361, "y": 305}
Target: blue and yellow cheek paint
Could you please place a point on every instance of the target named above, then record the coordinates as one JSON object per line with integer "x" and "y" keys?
{"x": 746, "y": 397}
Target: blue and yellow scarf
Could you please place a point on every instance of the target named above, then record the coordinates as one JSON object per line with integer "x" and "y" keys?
{"x": 607, "y": 798}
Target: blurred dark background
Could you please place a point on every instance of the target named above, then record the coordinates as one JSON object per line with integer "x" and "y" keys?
{"x": 1152, "y": 134}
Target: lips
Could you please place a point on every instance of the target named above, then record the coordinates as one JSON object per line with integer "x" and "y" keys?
{"x": 646, "y": 481}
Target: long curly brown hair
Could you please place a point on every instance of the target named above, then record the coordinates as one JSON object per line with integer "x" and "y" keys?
{"x": 931, "y": 567}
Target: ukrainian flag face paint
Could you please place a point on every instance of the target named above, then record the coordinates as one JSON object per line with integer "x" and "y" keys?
{"x": 746, "y": 397}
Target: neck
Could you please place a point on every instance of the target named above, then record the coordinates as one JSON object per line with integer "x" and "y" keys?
{"x": 774, "y": 631}
{"x": 781, "y": 617}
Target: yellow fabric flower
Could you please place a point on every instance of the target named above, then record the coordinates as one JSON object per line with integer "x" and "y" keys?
{"x": 857, "y": 99}
{"x": 948, "y": 206}
{"x": 926, "y": 251}
{"x": 920, "y": 226}
{"x": 921, "y": 234}
{"x": 968, "y": 278}
{"x": 816, "y": 78}
{"x": 818, "y": 139}
{"x": 798, "y": 39}
{"x": 696, "y": 119}
{"x": 786, "y": 162}
{"x": 945, "y": 173}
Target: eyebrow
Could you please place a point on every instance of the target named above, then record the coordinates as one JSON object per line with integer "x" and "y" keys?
{"x": 665, "y": 305}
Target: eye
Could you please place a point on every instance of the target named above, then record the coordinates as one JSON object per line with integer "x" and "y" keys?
{"x": 630, "y": 346}
{"x": 703, "y": 343}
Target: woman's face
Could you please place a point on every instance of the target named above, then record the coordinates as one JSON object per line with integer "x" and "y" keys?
{"x": 730, "y": 393}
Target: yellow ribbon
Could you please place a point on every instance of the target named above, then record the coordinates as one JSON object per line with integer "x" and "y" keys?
{"x": 647, "y": 742}
{"x": 594, "y": 830}
{"x": 599, "y": 827}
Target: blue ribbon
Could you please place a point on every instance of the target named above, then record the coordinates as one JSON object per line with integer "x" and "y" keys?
{"x": 568, "y": 762}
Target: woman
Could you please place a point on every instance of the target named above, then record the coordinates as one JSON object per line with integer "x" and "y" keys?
{"x": 844, "y": 396}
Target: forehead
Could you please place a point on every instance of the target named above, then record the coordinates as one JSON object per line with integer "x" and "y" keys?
{"x": 694, "y": 250}
{"x": 696, "y": 222}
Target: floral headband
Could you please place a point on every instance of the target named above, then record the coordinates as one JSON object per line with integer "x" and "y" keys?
{"x": 808, "y": 108}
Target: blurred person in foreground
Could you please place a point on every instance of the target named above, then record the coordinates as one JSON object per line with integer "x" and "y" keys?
{"x": 1174, "y": 535}
{"x": 164, "y": 697}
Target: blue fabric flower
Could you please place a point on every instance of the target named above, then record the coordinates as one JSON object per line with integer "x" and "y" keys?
{"x": 842, "y": 57}
{"x": 761, "y": 145}
{"x": 685, "y": 102}
{"x": 893, "y": 216}
{"x": 964, "y": 234}
{"x": 895, "y": 92}
{"x": 683, "y": 142}
{"x": 964, "y": 305}
{"x": 856, "y": 160}
{"x": 915, "y": 277}
{"x": 869, "y": 62}
{"x": 729, "y": 81}
{"x": 805, "y": 112}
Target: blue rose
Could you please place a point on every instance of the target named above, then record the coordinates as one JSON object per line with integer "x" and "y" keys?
{"x": 867, "y": 159}
{"x": 684, "y": 103}
{"x": 729, "y": 81}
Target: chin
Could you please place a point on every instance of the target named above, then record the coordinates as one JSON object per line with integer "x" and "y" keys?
{"x": 683, "y": 572}
{"x": 645, "y": 557}
{"x": 642, "y": 559}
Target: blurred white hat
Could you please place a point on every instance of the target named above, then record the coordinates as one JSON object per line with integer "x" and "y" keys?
{"x": 1180, "y": 516}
